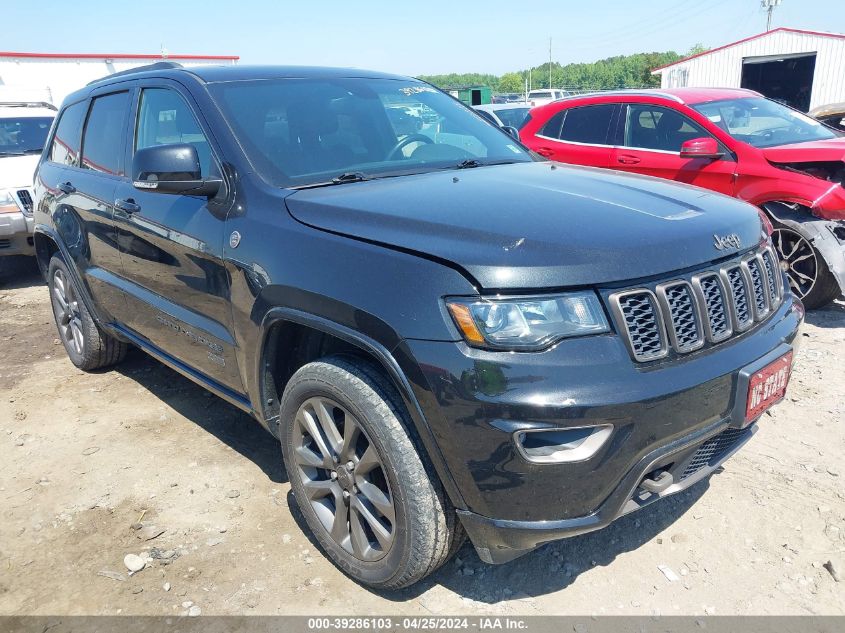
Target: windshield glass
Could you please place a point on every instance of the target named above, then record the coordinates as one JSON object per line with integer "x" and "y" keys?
{"x": 763, "y": 123}
{"x": 298, "y": 132}
{"x": 513, "y": 117}
{"x": 23, "y": 135}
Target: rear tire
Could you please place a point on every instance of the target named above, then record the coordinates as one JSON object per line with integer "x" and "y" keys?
{"x": 87, "y": 346}
{"x": 369, "y": 496}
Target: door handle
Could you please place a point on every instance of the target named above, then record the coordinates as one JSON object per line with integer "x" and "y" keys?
{"x": 545, "y": 151}
{"x": 628, "y": 160}
{"x": 127, "y": 205}
{"x": 66, "y": 187}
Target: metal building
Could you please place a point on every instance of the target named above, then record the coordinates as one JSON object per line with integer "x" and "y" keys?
{"x": 804, "y": 69}
{"x": 55, "y": 75}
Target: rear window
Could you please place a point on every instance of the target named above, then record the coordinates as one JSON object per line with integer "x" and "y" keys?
{"x": 513, "y": 117}
{"x": 103, "y": 141}
{"x": 588, "y": 124}
{"x": 23, "y": 135}
{"x": 65, "y": 147}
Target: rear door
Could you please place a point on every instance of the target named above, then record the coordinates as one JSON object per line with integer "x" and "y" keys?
{"x": 649, "y": 139}
{"x": 177, "y": 289}
{"x": 84, "y": 167}
{"x": 578, "y": 135}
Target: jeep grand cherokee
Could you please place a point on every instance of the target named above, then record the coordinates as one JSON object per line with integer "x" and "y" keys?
{"x": 447, "y": 335}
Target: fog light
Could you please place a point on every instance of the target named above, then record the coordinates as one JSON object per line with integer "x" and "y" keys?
{"x": 559, "y": 446}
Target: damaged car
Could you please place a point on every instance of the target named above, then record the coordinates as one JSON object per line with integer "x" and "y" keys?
{"x": 732, "y": 141}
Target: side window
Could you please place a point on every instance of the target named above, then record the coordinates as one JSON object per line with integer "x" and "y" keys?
{"x": 102, "y": 141}
{"x": 65, "y": 147}
{"x": 488, "y": 116}
{"x": 165, "y": 118}
{"x": 587, "y": 124}
{"x": 654, "y": 127}
{"x": 552, "y": 127}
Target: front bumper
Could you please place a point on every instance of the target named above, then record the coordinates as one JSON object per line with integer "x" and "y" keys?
{"x": 661, "y": 417}
{"x": 16, "y": 234}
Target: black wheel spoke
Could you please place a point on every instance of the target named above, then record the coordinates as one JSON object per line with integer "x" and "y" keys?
{"x": 349, "y": 494}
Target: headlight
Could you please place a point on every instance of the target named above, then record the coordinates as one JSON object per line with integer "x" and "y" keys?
{"x": 530, "y": 323}
{"x": 7, "y": 203}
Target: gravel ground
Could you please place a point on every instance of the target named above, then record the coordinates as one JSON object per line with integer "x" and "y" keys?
{"x": 139, "y": 460}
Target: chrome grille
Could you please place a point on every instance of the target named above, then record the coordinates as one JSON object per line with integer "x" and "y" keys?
{"x": 738, "y": 285}
{"x": 755, "y": 272}
{"x": 710, "y": 306}
{"x": 685, "y": 331}
{"x": 25, "y": 200}
{"x": 643, "y": 325}
{"x": 712, "y": 298}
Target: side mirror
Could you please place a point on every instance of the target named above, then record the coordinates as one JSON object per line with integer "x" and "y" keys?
{"x": 511, "y": 130}
{"x": 173, "y": 169}
{"x": 701, "y": 148}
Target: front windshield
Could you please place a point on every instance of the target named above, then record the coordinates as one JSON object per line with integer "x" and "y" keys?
{"x": 512, "y": 117}
{"x": 763, "y": 123}
{"x": 23, "y": 135}
{"x": 300, "y": 132}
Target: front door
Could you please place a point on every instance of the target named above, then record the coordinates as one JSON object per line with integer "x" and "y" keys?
{"x": 177, "y": 290}
{"x": 651, "y": 145}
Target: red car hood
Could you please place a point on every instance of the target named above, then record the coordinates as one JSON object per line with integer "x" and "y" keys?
{"x": 812, "y": 151}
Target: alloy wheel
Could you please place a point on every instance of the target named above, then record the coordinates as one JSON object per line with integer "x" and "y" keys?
{"x": 68, "y": 316}
{"x": 344, "y": 478}
{"x": 797, "y": 259}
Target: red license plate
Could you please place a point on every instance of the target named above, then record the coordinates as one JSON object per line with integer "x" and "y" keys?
{"x": 767, "y": 386}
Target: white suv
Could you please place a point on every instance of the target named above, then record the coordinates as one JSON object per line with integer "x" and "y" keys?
{"x": 544, "y": 96}
{"x": 23, "y": 130}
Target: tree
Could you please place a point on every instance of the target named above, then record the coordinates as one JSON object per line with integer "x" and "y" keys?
{"x": 511, "y": 82}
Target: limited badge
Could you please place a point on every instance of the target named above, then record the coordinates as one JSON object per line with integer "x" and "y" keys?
{"x": 234, "y": 239}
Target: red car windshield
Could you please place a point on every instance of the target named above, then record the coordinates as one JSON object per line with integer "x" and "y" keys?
{"x": 764, "y": 123}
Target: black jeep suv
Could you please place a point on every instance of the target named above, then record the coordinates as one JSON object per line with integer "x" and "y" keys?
{"x": 448, "y": 335}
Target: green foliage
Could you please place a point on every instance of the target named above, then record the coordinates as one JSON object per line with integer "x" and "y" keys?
{"x": 622, "y": 71}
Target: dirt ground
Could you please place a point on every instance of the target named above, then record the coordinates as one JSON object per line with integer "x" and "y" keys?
{"x": 83, "y": 457}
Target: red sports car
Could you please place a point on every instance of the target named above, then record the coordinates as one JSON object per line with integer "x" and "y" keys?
{"x": 735, "y": 142}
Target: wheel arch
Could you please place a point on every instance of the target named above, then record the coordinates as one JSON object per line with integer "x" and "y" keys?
{"x": 291, "y": 338}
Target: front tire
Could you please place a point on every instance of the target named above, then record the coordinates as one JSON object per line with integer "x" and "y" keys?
{"x": 87, "y": 346}
{"x": 368, "y": 495}
{"x": 810, "y": 278}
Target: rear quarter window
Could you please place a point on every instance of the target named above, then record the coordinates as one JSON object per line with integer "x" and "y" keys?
{"x": 64, "y": 148}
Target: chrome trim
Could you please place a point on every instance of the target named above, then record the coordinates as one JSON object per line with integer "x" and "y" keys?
{"x": 704, "y": 311}
{"x": 778, "y": 274}
{"x": 746, "y": 284}
{"x": 580, "y": 453}
{"x": 669, "y": 317}
{"x": 619, "y": 318}
{"x": 759, "y": 313}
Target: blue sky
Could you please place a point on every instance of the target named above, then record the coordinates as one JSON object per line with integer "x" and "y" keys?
{"x": 424, "y": 37}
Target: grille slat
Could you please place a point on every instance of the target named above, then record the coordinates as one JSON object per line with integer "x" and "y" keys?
{"x": 712, "y": 450}
{"x": 639, "y": 313}
{"x": 25, "y": 200}
{"x": 711, "y": 305}
{"x": 682, "y": 316}
{"x": 760, "y": 302}
{"x": 718, "y": 317}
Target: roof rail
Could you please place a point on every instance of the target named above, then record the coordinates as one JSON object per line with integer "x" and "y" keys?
{"x": 27, "y": 104}
{"x": 627, "y": 92}
{"x": 163, "y": 65}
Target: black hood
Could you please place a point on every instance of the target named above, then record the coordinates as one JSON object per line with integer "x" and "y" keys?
{"x": 531, "y": 225}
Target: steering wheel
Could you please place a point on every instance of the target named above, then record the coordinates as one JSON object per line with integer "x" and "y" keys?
{"x": 411, "y": 138}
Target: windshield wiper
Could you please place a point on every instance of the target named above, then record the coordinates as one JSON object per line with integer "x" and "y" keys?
{"x": 11, "y": 153}
{"x": 350, "y": 176}
{"x": 468, "y": 164}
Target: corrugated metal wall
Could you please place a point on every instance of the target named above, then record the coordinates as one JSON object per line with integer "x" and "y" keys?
{"x": 723, "y": 68}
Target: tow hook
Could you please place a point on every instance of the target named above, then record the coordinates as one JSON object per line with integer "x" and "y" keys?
{"x": 659, "y": 483}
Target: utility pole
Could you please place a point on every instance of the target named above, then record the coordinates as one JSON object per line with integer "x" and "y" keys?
{"x": 769, "y": 6}
{"x": 550, "y": 63}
